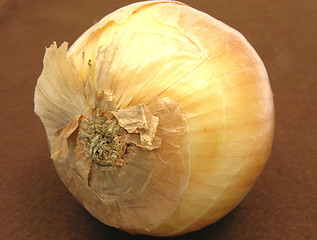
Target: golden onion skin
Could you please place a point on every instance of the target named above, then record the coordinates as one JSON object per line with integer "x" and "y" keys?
{"x": 166, "y": 49}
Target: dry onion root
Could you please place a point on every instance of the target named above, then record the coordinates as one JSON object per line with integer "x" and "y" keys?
{"x": 160, "y": 118}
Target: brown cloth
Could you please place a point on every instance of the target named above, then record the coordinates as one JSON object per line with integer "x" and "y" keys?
{"x": 34, "y": 204}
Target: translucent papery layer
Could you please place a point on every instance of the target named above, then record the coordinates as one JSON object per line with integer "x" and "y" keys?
{"x": 147, "y": 190}
{"x": 59, "y": 91}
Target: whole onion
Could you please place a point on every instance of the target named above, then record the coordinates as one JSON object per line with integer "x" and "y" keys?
{"x": 159, "y": 118}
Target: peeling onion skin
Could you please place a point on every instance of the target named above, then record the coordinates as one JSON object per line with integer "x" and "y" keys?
{"x": 205, "y": 99}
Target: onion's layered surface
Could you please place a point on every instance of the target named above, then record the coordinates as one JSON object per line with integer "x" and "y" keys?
{"x": 160, "y": 118}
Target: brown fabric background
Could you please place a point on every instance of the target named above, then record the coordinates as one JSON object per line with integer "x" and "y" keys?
{"x": 34, "y": 204}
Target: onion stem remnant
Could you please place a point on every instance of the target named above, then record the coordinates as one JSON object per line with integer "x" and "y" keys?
{"x": 103, "y": 143}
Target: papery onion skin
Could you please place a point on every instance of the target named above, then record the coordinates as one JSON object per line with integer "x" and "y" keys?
{"x": 166, "y": 49}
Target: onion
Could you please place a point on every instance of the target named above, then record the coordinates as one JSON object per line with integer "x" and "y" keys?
{"x": 159, "y": 118}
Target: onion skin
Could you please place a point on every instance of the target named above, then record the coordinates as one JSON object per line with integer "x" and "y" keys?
{"x": 166, "y": 49}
